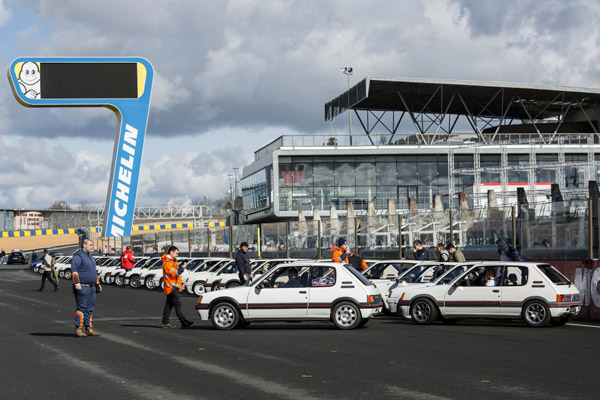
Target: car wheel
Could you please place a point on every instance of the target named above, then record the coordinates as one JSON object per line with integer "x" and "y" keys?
{"x": 224, "y": 316}
{"x": 35, "y": 269}
{"x": 215, "y": 286}
{"x": 423, "y": 311}
{"x": 198, "y": 289}
{"x": 119, "y": 280}
{"x": 536, "y": 314}
{"x": 134, "y": 281}
{"x": 346, "y": 315}
{"x": 68, "y": 274}
{"x": 560, "y": 321}
{"x": 161, "y": 283}
{"x": 150, "y": 282}
{"x": 61, "y": 274}
{"x": 232, "y": 285}
{"x": 107, "y": 278}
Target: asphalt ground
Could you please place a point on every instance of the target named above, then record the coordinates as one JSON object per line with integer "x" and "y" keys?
{"x": 135, "y": 358}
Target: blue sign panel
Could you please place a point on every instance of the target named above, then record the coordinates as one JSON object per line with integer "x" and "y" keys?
{"x": 124, "y": 85}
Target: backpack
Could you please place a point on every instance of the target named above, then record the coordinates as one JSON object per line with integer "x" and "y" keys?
{"x": 356, "y": 262}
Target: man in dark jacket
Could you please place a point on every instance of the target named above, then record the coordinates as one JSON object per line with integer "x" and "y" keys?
{"x": 155, "y": 253}
{"x": 420, "y": 252}
{"x": 508, "y": 252}
{"x": 243, "y": 265}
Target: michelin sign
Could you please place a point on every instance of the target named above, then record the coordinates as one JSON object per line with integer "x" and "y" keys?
{"x": 123, "y": 85}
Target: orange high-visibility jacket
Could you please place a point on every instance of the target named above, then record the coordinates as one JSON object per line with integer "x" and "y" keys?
{"x": 338, "y": 252}
{"x": 171, "y": 277}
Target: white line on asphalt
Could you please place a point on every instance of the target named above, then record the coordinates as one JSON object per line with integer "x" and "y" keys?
{"x": 271, "y": 388}
{"x": 142, "y": 389}
{"x": 585, "y": 326}
{"x": 412, "y": 394}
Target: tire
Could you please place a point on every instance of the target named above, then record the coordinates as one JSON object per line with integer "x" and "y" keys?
{"x": 214, "y": 287}
{"x": 346, "y": 315}
{"x": 161, "y": 283}
{"x": 198, "y": 289}
{"x": 150, "y": 282}
{"x": 423, "y": 312}
{"x": 68, "y": 275}
{"x": 560, "y": 321}
{"x": 536, "y": 314}
{"x": 107, "y": 279}
{"x": 134, "y": 281}
{"x": 119, "y": 280}
{"x": 35, "y": 269}
{"x": 224, "y": 316}
{"x": 233, "y": 284}
{"x": 61, "y": 274}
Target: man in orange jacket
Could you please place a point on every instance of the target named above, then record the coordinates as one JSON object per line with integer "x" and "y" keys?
{"x": 172, "y": 287}
{"x": 340, "y": 252}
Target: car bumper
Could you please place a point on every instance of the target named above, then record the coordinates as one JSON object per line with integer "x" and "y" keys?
{"x": 565, "y": 310}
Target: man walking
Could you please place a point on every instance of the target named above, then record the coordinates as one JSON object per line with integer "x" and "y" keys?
{"x": 127, "y": 261}
{"x": 2, "y": 257}
{"x": 172, "y": 287}
{"x": 85, "y": 284}
{"x": 243, "y": 264}
{"x": 48, "y": 262}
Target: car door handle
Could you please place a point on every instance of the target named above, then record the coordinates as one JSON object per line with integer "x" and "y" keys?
{"x": 303, "y": 291}
{"x": 496, "y": 291}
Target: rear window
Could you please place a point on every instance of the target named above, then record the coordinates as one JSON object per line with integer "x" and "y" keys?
{"x": 358, "y": 275}
{"x": 552, "y": 274}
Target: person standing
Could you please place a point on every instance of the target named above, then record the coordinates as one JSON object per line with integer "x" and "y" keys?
{"x": 48, "y": 262}
{"x": 455, "y": 253}
{"x": 2, "y": 257}
{"x": 420, "y": 252}
{"x": 340, "y": 252}
{"x": 85, "y": 286}
{"x": 357, "y": 262}
{"x": 444, "y": 254}
{"x": 155, "y": 253}
{"x": 243, "y": 264}
{"x": 172, "y": 287}
{"x": 127, "y": 261}
{"x": 508, "y": 252}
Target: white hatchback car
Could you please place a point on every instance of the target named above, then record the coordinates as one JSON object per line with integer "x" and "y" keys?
{"x": 535, "y": 293}
{"x": 300, "y": 291}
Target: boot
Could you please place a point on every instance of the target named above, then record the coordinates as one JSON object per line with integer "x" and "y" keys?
{"x": 79, "y": 332}
{"x": 90, "y": 332}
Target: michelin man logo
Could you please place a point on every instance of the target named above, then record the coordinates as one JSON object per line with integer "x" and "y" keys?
{"x": 29, "y": 80}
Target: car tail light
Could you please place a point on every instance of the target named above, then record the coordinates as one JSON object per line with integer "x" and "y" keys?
{"x": 564, "y": 297}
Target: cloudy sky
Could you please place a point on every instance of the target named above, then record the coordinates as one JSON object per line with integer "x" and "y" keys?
{"x": 232, "y": 75}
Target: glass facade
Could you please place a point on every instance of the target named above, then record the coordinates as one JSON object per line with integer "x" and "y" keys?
{"x": 307, "y": 182}
{"x": 255, "y": 190}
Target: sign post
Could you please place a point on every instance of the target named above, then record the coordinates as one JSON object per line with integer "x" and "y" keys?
{"x": 123, "y": 85}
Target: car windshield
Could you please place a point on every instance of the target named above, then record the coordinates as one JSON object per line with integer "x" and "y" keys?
{"x": 358, "y": 275}
{"x": 552, "y": 274}
{"x": 451, "y": 275}
{"x": 415, "y": 274}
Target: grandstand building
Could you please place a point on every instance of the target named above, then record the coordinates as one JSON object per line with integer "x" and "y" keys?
{"x": 420, "y": 138}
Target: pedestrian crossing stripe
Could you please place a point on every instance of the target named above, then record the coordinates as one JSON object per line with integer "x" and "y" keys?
{"x": 71, "y": 231}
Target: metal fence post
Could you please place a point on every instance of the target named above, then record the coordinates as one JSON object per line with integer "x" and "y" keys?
{"x": 356, "y": 235}
{"x": 451, "y": 217}
{"x": 258, "y": 234}
{"x": 400, "y": 244}
{"x": 230, "y": 241}
{"x": 189, "y": 243}
{"x": 287, "y": 234}
{"x": 514, "y": 226}
{"x": 208, "y": 239}
{"x": 590, "y": 231}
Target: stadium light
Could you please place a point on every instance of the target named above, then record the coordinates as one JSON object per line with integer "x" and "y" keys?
{"x": 348, "y": 71}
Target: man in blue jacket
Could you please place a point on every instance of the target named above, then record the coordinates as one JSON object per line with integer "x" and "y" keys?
{"x": 85, "y": 283}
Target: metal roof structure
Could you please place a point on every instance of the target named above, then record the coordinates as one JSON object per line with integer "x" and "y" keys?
{"x": 434, "y": 105}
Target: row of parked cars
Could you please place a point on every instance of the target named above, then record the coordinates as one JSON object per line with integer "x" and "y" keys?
{"x": 293, "y": 289}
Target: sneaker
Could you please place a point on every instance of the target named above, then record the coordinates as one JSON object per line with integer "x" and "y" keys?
{"x": 166, "y": 326}
{"x": 186, "y": 324}
{"x": 79, "y": 332}
{"x": 56, "y": 288}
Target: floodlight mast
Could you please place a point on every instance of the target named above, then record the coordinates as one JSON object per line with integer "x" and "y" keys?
{"x": 348, "y": 71}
